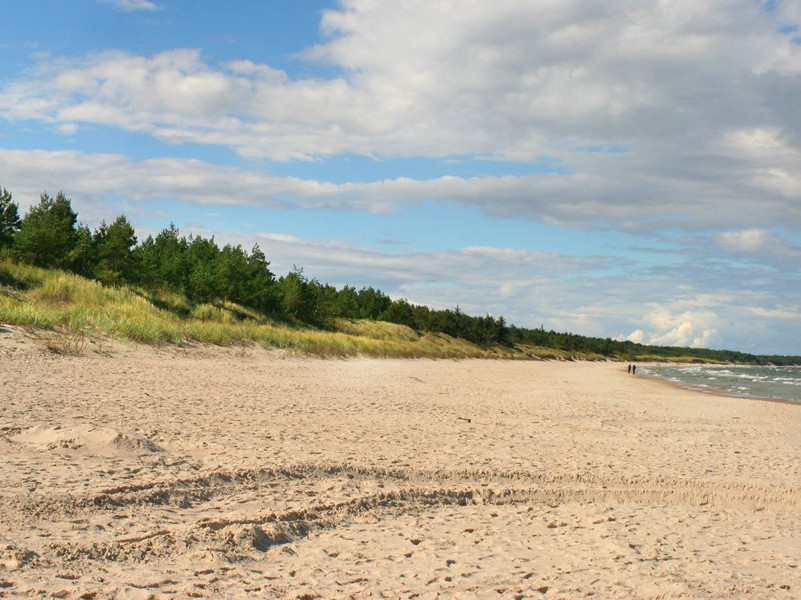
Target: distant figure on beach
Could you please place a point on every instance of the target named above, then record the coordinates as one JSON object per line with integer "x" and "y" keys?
{"x": 633, "y": 369}
{"x": 629, "y": 369}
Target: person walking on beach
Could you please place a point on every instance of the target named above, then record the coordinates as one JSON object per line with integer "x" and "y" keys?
{"x": 633, "y": 369}
{"x": 629, "y": 369}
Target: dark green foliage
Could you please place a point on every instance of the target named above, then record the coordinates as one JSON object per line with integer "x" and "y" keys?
{"x": 47, "y": 234}
{"x": 83, "y": 257}
{"x": 171, "y": 268}
{"x": 113, "y": 251}
{"x": 346, "y": 303}
{"x": 372, "y": 303}
{"x": 198, "y": 268}
{"x": 9, "y": 219}
{"x": 400, "y": 311}
{"x": 232, "y": 274}
{"x": 258, "y": 288}
{"x": 296, "y": 296}
{"x": 201, "y": 256}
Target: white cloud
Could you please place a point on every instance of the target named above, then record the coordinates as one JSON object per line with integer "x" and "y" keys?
{"x": 572, "y": 200}
{"x": 693, "y": 329}
{"x": 718, "y": 320}
{"x": 132, "y": 5}
{"x": 781, "y": 312}
{"x": 747, "y": 240}
{"x": 698, "y": 94}
{"x": 759, "y": 243}
{"x": 668, "y": 327}
{"x": 637, "y": 336}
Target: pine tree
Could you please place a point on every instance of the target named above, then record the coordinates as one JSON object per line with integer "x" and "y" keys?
{"x": 83, "y": 256}
{"x": 47, "y": 234}
{"x": 203, "y": 284}
{"x": 169, "y": 251}
{"x": 9, "y": 219}
{"x": 114, "y": 247}
{"x": 259, "y": 287}
{"x": 232, "y": 272}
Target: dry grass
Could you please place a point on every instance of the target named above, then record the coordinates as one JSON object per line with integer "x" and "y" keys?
{"x": 69, "y": 343}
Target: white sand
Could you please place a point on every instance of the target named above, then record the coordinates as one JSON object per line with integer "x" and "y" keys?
{"x": 243, "y": 472}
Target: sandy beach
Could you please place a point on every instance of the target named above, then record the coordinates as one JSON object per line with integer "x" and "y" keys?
{"x": 131, "y": 472}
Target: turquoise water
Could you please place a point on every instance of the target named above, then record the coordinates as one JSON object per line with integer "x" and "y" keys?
{"x": 752, "y": 382}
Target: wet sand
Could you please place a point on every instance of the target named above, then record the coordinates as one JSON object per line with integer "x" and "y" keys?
{"x": 137, "y": 473}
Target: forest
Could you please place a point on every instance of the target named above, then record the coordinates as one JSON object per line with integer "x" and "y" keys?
{"x": 50, "y": 236}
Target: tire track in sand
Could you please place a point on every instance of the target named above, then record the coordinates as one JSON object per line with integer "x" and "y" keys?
{"x": 416, "y": 491}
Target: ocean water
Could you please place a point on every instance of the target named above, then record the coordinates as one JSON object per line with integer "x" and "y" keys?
{"x": 751, "y": 382}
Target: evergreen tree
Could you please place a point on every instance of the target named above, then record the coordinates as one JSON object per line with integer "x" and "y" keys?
{"x": 297, "y": 300}
{"x": 372, "y": 303}
{"x": 9, "y": 219}
{"x": 83, "y": 258}
{"x": 202, "y": 284}
{"x": 114, "y": 247}
{"x": 232, "y": 272}
{"x": 502, "y": 334}
{"x": 259, "y": 287}
{"x": 347, "y": 303}
{"x": 322, "y": 303}
{"x": 171, "y": 268}
{"x": 47, "y": 234}
{"x": 400, "y": 311}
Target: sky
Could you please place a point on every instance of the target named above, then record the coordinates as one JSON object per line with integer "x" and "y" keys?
{"x": 626, "y": 169}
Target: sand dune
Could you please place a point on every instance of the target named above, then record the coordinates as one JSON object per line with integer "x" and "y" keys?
{"x": 228, "y": 473}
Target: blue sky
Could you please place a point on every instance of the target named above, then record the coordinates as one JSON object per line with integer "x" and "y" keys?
{"x": 628, "y": 169}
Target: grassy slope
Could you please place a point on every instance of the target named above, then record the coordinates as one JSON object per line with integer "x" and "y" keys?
{"x": 73, "y": 305}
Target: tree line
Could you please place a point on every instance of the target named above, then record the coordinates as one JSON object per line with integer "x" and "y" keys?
{"x": 50, "y": 236}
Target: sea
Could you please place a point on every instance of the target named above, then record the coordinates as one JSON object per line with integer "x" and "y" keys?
{"x": 775, "y": 383}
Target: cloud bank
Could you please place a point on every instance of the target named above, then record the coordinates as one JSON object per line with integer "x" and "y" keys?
{"x": 570, "y": 200}
{"x": 647, "y": 106}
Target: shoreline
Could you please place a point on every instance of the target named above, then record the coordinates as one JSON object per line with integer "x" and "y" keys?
{"x": 714, "y": 391}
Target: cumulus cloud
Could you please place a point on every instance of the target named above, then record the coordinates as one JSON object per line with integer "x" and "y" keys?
{"x": 693, "y": 329}
{"x": 724, "y": 319}
{"x": 645, "y": 104}
{"x": 637, "y": 336}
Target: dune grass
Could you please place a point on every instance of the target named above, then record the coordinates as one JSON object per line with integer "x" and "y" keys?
{"x": 58, "y": 301}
